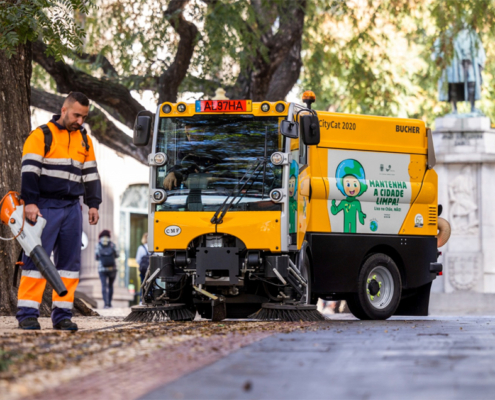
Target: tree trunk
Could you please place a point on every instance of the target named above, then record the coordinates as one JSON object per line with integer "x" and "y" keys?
{"x": 15, "y": 125}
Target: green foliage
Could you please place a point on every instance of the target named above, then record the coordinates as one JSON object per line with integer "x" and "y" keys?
{"x": 139, "y": 40}
{"x": 52, "y": 20}
{"x": 372, "y": 57}
{"x": 235, "y": 32}
{"x": 134, "y": 35}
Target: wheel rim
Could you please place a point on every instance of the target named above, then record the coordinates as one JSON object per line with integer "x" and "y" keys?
{"x": 380, "y": 287}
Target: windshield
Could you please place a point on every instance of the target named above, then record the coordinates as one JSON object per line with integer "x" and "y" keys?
{"x": 208, "y": 155}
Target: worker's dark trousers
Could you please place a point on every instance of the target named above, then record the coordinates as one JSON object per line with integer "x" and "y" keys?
{"x": 62, "y": 235}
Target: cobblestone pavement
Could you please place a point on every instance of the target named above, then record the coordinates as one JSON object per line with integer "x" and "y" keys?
{"x": 402, "y": 358}
{"x": 111, "y": 359}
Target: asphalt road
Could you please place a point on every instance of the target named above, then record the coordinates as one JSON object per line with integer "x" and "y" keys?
{"x": 402, "y": 358}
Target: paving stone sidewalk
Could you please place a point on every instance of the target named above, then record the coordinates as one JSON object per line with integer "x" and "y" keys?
{"x": 403, "y": 358}
{"x": 117, "y": 360}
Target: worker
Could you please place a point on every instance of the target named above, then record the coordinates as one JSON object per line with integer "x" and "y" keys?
{"x": 58, "y": 166}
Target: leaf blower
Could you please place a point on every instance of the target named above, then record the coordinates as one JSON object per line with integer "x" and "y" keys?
{"x": 13, "y": 215}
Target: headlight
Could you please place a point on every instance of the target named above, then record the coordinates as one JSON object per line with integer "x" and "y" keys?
{"x": 160, "y": 159}
{"x": 167, "y": 109}
{"x": 265, "y": 107}
{"x": 280, "y": 158}
{"x": 181, "y": 108}
{"x": 158, "y": 196}
{"x": 280, "y": 107}
{"x": 276, "y": 195}
{"x": 277, "y": 158}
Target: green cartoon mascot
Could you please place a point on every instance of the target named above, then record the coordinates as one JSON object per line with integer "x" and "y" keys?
{"x": 351, "y": 181}
{"x": 294, "y": 172}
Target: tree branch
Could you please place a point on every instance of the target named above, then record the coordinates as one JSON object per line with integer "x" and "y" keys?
{"x": 170, "y": 80}
{"x": 101, "y": 127}
{"x": 207, "y": 86}
{"x": 103, "y": 91}
{"x": 287, "y": 74}
{"x": 101, "y": 61}
{"x": 255, "y": 82}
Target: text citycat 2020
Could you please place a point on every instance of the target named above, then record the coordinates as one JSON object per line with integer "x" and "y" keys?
{"x": 257, "y": 209}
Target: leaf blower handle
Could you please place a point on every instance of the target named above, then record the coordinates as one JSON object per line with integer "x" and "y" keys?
{"x": 29, "y": 237}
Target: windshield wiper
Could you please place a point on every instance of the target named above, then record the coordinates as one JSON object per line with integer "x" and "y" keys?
{"x": 264, "y": 165}
{"x": 224, "y": 207}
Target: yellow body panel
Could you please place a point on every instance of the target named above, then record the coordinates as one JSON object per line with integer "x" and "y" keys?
{"x": 319, "y": 220}
{"x": 303, "y": 205}
{"x": 370, "y": 133}
{"x": 376, "y": 135}
{"x": 258, "y": 230}
{"x": 426, "y": 205}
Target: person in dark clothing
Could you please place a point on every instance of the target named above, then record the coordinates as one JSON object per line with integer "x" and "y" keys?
{"x": 143, "y": 260}
{"x": 106, "y": 255}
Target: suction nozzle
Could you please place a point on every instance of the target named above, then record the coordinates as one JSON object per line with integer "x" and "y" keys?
{"x": 45, "y": 266}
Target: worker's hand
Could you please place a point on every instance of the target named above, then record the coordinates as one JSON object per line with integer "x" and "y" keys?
{"x": 170, "y": 181}
{"x": 32, "y": 212}
{"x": 93, "y": 216}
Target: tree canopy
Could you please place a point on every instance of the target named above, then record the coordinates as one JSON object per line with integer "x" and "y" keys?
{"x": 374, "y": 57}
{"x": 359, "y": 56}
{"x": 252, "y": 48}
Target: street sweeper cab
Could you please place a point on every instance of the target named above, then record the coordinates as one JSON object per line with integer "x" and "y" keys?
{"x": 259, "y": 208}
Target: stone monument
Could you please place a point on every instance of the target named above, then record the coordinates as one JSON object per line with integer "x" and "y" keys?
{"x": 461, "y": 80}
{"x": 465, "y": 151}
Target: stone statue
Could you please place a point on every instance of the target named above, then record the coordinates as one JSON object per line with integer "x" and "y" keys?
{"x": 463, "y": 74}
{"x": 463, "y": 210}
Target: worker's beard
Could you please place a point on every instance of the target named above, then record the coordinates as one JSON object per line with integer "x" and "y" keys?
{"x": 71, "y": 127}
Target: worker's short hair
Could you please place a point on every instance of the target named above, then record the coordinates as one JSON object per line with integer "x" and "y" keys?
{"x": 81, "y": 98}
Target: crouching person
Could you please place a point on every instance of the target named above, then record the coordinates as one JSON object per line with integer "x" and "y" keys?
{"x": 58, "y": 166}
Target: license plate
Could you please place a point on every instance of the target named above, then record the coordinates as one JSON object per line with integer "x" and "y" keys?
{"x": 223, "y": 106}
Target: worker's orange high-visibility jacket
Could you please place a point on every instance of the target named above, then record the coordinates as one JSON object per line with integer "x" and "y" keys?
{"x": 67, "y": 171}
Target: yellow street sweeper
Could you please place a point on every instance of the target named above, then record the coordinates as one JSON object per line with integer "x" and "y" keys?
{"x": 258, "y": 209}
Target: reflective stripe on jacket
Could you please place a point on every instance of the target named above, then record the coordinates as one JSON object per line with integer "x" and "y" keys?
{"x": 67, "y": 171}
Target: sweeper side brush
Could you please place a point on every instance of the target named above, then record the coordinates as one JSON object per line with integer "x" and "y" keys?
{"x": 168, "y": 312}
{"x": 288, "y": 312}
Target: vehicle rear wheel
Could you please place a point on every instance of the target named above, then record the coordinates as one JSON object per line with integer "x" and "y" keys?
{"x": 379, "y": 289}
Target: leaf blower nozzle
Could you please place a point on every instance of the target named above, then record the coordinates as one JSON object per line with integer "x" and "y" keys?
{"x": 45, "y": 266}
{"x": 29, "y": 236}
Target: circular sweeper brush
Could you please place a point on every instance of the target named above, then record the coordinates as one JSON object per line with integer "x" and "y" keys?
{"x": 288, "y": 312}
{"x": 167, "y": 312}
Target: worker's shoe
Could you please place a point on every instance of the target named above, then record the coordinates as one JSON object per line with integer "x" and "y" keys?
{"x": 30, "y": 323}
{"x": 65, "y": 325}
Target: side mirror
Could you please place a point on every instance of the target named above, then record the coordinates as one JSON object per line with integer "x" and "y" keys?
{"x": 142, "y": 130}
{"x": 310, "y": 129}
{"x": 289, "y": 129}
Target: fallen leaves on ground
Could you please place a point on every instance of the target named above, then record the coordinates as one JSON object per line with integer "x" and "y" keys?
{"x": 61, "y": 355}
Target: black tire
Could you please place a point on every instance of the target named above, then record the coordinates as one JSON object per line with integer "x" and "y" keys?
{"x": 379, "y": 289}
{"x": 355, "y": 307}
